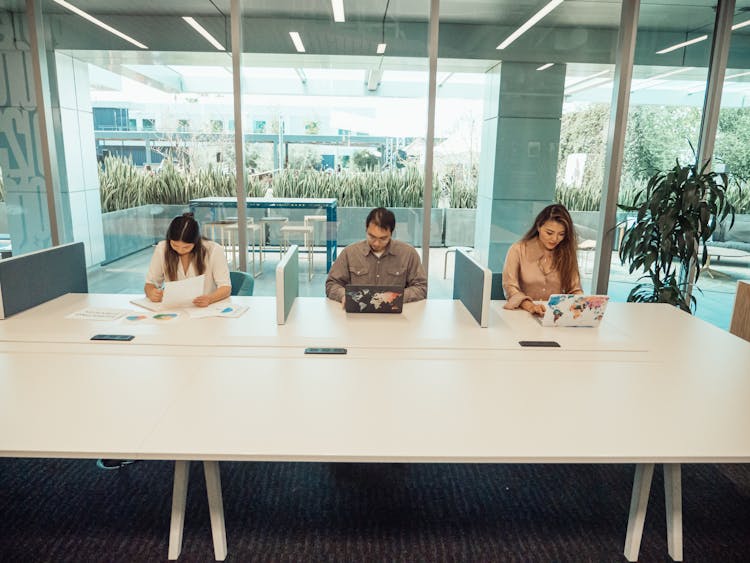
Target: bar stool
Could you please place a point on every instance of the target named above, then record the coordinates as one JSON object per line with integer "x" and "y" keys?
{"x": 311, "y": 220}
{"x": 308, "y": 233}
{"x": 252, "y": 246}
{"x": 268, "y": 221}
{"x": 219, "y": 231}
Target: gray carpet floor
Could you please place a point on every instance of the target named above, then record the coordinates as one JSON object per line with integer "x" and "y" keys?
{"x": 68, "y": 510}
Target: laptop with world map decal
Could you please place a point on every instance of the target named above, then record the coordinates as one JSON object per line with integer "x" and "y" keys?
{"x": 374, "y": 298}
{"x": 574, "y": 310}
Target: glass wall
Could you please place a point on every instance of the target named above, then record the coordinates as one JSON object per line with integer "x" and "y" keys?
{"x": 730, "y": 248}
{"x": 522, "y": 120}
{"x": 670, "y": 72}
{"x": 326, "y": 115}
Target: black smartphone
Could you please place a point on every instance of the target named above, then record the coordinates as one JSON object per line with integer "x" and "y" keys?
{"x": 539, "y": 343}
{"x": 115, "y": 337}
{"x": 325, "y": 350}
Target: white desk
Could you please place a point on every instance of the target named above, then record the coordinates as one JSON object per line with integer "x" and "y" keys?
{"x": 448, "y": 391}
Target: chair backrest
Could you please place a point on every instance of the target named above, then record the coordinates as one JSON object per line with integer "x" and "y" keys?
{"x": 242, "y": 283}
{"x": 740, "y": 325}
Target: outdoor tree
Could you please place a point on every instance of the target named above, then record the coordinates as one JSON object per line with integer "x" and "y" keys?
{"x": 365, "y": 160}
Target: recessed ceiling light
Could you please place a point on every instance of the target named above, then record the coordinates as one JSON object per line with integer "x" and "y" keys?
{"x": 297, "y": 40}
{"x": 204, "y": 33}
{"x": 592, "y": 84}
{"x": 654, "y": 80}
{"x": 740, "y": 25}
{"x": 100, "y": 23}
{"x": 585, "y": 78}
{"x": 545, "y": 67}
{"x": 530, "y": 23}
{"x": 683, "y": 44}
{"x": 381, "y": 48}
{"x": 338, "y": 11}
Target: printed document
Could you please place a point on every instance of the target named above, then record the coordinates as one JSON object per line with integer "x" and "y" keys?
{"x": 181, "y": 293}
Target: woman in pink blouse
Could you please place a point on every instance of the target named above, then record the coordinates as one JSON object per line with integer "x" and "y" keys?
{"x": 543, "y": 262}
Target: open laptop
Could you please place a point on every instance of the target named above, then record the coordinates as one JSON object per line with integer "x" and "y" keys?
{"x": 374, "y": 298}
{"x": 574, "y": 310}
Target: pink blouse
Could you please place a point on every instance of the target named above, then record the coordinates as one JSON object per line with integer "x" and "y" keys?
{"x": 524, "y": 277}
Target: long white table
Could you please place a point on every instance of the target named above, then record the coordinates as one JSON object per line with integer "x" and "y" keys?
{"x": 650, "y": 385}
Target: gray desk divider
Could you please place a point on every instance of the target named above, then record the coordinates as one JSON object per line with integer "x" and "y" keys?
{"x": 472, "y": 284}
{"x": 287, "y": 283}
{"x": 31, "y": 279}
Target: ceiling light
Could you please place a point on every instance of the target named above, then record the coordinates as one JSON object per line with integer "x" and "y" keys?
{"x": 206, "y": 35}
{"x": 593, "y": 84}
{"x": 545, "y": 67}
{"x": 654, "y": 80}
{"x": 100, "y": 23}
{"x": 338, "y": 10}
{"x": 683, "y": 44}
{"x": 381, "y": 48}
{"x": 297, "y": 40}
{"x": 585, "y": 78}
{"x": 530, "y": 23}
{"x": 741, "y": 24}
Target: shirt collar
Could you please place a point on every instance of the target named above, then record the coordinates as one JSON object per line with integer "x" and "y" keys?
{"x": 367, "y": 250}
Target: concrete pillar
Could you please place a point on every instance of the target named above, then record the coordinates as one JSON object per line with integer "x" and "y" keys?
{"x": 20, "y": 151}
{"x": 518, "y": 162}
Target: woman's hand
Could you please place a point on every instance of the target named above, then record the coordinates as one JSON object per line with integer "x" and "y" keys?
{"x": 202, "y": 301}
{"x": 533, "y": 308}
{"x": 154, "y": 294}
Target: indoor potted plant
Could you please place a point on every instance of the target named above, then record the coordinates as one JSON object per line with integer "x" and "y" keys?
{"x": 675, "y": 214}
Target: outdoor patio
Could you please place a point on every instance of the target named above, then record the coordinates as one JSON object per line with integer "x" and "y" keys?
{"x": 715, "y": 295}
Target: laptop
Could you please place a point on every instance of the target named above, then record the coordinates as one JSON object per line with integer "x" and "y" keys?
{"x": 574, "y": 310}
{"x": 374, "y": 298}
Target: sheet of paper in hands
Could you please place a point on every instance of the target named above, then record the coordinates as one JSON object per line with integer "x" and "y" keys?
{"x": 181, "y": 293}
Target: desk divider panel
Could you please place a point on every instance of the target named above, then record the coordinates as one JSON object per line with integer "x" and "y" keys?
{"x": 31, "y": 279}
{"x": 287, "y": 283}
{"x": 472, "y": 284}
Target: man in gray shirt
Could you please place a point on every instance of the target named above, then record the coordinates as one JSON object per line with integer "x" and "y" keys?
{"x": 378, "y": 260}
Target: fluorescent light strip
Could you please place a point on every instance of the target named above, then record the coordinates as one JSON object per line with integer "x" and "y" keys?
{"x": 381, "y": 48}
{"x": 202, "y": 30}
{"x": 585, "y": 78}
{"x": 531, "y": 22}
{"x": 593, "y": 84}
{"x": 545, "y": 67}
{"x": 338, "y": 10}
{"x": 740, "y": 25}
{"x": 683, "y": 44}
{"x": 297, "y": 40}
{"x": 657, "y": 79}
{"x": 100, "y": 23}
{"x": 702, "y": 87}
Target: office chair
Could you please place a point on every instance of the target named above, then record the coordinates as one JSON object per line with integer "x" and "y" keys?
{"x": 242, "y": 283}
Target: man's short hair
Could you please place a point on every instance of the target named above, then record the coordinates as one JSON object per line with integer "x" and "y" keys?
{"x": 381, "y": 217}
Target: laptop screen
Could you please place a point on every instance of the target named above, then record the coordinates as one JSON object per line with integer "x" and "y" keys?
{"x": 374, "y": 298}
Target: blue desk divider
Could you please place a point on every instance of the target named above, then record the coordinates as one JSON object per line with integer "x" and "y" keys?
{"x": 287, "y": 283}
{"x": 472, "y": 284}
{"x": 31, "y": 279}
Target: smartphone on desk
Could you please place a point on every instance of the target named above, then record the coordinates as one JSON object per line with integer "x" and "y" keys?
{"x": 325, "y": 350}
{"x": 113, "y": 337}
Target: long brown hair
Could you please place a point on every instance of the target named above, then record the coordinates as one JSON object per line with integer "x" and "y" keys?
{"x": 184, "y": 228}
{"x": 564, "y": 258}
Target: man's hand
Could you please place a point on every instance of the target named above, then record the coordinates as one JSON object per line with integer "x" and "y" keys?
{"x": 202, "y": 301}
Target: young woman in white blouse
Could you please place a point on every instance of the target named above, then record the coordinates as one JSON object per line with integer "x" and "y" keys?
{"x": 186, "y": 254}
{"x": 543, "y": 262}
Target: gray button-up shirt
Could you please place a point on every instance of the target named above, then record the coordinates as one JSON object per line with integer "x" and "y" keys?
{"x": 399, "y": 265}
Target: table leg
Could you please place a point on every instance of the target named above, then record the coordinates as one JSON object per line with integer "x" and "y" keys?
{"x": 216, "y": 509}
{"x": 638, "y": 504}
{"x": 673, "y": 498}
{"x": 179, "y": 498}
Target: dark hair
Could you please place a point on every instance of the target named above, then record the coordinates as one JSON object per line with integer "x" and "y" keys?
{"x": 382, "y": 218}
{"x": 564, "y": 258}
{"x": 184, "y": 228}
